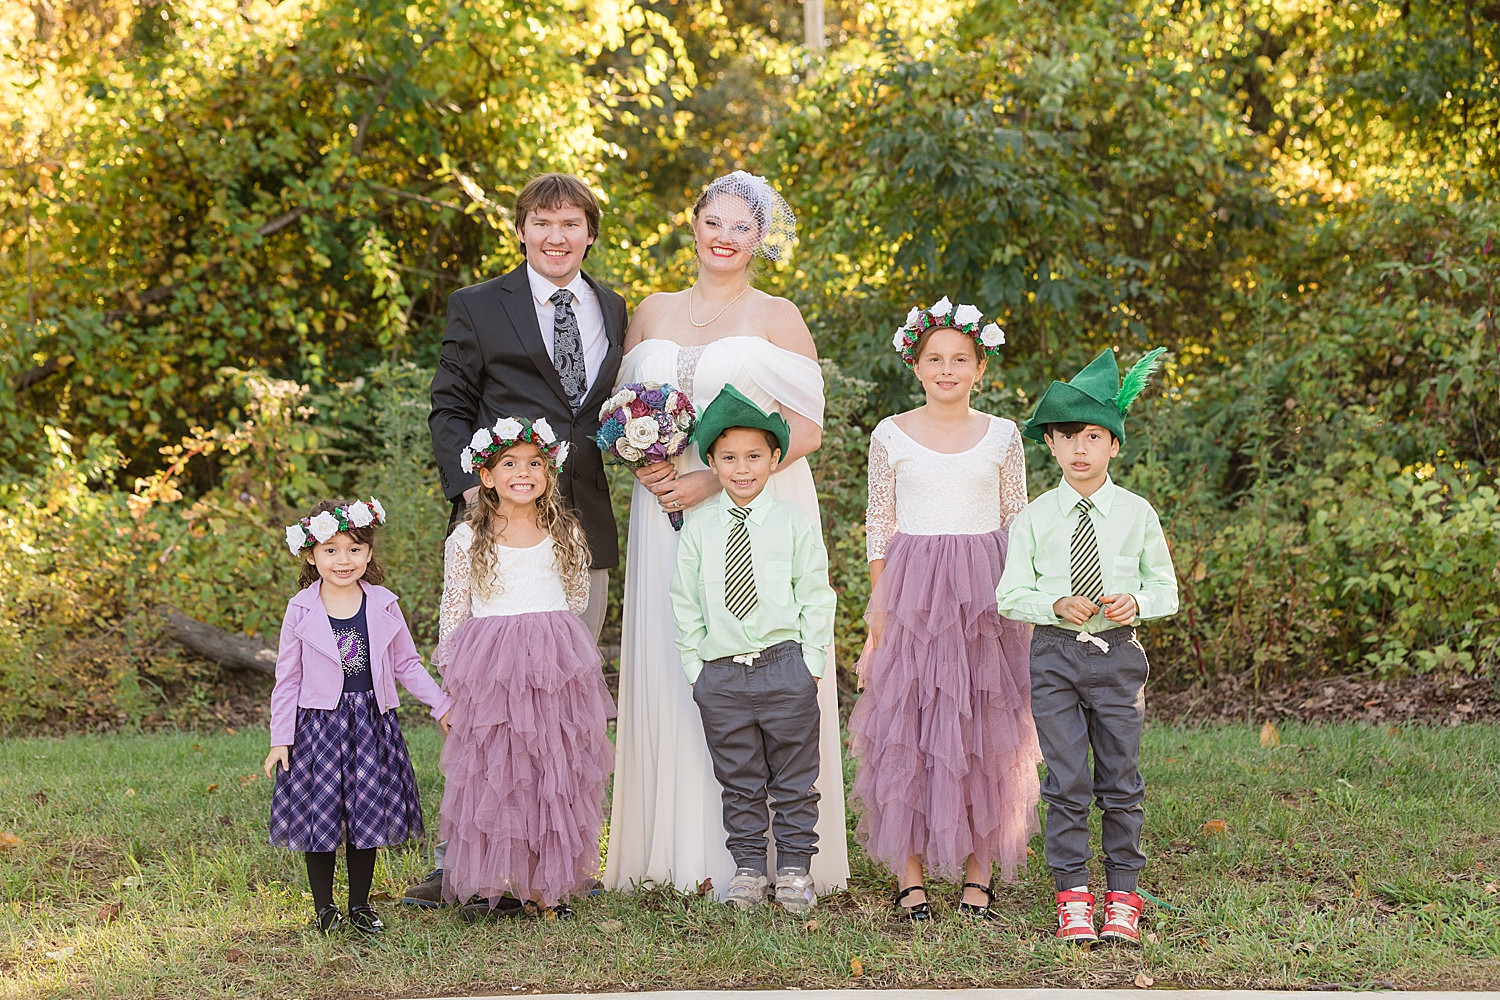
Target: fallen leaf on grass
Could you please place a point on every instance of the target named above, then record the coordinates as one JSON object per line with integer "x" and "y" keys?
{"x": 856, "y": 967}
{"x": 214, "y": 787}
{"x": 9, "y": 840}
{"x": 1270, "y": 736}
{"x": 109, "y": 912}
{"x": 382, "y": 897}
{"x": 62, "y": 954}
{"x": 230, "y": 731}
{"x": 705, "y": 887}
{"x": 1143, "y": 981}
{"x": 1216, "y": 826}
{"x": 810, "y": 926}
{"x": 1306, "y": 947}
{"x": 1152, "y": 937}
{"x": 226, "y": 821}
{"x": 1491, "y": 888}
{"x": 245, "y": 779}
{"x": 132, "y": 881}
{"x": 610, "y": 926}
{"x": 40, "y": 798}
{"x": 236, "y": 956}
{"x": 130, "y": 791}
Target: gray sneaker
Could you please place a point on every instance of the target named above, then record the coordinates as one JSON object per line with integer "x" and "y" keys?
{"x": 428, "y": 892}
{"x": 794, "y": 890}
{"x": 747, "y": 889}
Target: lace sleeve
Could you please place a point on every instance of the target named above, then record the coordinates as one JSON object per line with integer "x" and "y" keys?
{"x": 1012, "y": 481}
{"x": 457, "y": 601}
{"x": 576, "y": 587}
{"x": 880, "y": 515}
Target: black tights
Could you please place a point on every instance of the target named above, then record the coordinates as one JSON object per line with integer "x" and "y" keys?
{"x": 361, "y": 866}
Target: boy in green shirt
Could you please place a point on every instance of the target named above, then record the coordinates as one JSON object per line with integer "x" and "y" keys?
{"x": 754, "y": 615}
{"x": 1087, "y": 561}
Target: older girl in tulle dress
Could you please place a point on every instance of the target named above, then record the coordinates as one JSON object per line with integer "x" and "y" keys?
{"x": 527, "y": 756}
{"x": 947, "y": 750}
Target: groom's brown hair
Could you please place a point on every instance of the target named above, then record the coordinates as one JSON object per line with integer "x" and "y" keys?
{"x": 546, "y": 192}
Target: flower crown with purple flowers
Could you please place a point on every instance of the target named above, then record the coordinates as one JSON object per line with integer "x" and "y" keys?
{"x": 944, "y": 314}
{"x": 318, "y": 528}
{"x": 509, "y": 432}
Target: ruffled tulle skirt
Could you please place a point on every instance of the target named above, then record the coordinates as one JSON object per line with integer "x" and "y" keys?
{"x": 526, "y": 759}
{"x": 943, "y": 734}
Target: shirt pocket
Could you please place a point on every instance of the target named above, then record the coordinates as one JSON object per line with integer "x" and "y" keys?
{"x": 773, "y": 582}
{"x": 1127, "y": 575}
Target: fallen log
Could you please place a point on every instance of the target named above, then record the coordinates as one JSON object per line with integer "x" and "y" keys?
{"x": 231, "y": 650}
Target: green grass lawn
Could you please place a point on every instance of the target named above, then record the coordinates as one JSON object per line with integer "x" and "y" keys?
{"x": 1355, "y": 856}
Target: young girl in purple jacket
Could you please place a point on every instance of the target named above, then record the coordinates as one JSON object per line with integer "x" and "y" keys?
{"x": 344, "y": 774}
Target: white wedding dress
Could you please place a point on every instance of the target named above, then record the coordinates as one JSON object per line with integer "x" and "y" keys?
{"x": 666, "y": 822}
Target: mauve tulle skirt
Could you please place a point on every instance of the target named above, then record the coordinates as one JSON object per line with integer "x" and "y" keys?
{"x": 946, "y": 747}
{"x": 526, "y": 759}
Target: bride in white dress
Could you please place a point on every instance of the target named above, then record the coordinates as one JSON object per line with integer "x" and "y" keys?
{"x": 666, "y": 823}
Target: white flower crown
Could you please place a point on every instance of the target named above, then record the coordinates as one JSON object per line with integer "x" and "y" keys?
{"x": 318, "y": 528}
{"x": 510, "y": 431}
{"x": 942, "y": 313}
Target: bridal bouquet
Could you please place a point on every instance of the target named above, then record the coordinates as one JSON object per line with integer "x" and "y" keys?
{"x": 646, "y": 422}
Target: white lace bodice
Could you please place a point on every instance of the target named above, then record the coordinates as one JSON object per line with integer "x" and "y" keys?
{"x": 924, "y": 492}
{"x": 528, "y": 581}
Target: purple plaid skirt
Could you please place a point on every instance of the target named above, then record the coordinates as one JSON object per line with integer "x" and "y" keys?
{"x": 350, "y": 781}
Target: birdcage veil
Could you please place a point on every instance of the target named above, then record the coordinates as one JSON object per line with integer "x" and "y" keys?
{"x": 772, "y": 228}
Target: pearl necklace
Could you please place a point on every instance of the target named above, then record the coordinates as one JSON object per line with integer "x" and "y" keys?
{"x": 716, "y": 315}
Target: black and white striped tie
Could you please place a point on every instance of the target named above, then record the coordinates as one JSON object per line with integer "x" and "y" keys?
{"x": 1088, "y": 579}
{"x": 739, "y": 569}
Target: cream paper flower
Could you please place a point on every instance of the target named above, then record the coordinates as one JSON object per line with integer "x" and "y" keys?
{"x": 543, "y": 430}
{"x": 683, "y": 420}
{"x": 913, "y": 316}
{"x": 676, "y": 442}
{"x": 642, "y": 431}
{"x": 966, "y": 314}
{"x": 507, "y": 429}
{"x": 942, "y": 307}
{"x": 992, "y": 335}
{"x": 296, "y": 538}
{"x": 619, "y": 399}
{"x": 324, "y": 526}
{"x": 379, "y": 510}
{"x": 562, "y": 454}
{"x": 628, "y": 451}
{"x": 899, "y": 340}
{"x": 359, "y": 513}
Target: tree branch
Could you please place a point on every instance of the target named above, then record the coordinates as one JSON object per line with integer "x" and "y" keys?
{"x": 231, "y": 650}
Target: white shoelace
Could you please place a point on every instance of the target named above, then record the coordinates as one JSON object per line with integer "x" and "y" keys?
{"x": 1119, "y": 912}
{"x": 1076, "y": 914}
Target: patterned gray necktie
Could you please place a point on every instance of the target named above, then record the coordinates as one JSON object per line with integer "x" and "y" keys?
{"x": 1088, "y": 579}
{"x": 739, "y": 569}
{"x": 567, "y": 348}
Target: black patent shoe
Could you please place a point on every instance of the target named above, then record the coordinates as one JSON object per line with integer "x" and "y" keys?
{"x": 977, "y": 912}
{"x": 562, "y": 911}
{"x": 920, "y": 912}
{"x": 329, "y": 919}
{"x": 365, "y": 920}
{"x": 480, "y": 909}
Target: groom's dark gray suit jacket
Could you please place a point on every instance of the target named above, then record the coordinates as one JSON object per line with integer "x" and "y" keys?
{"x": 495, "y": 364}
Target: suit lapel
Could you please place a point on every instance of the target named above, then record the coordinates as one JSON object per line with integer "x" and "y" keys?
{"x": 614, "y": 334}
{"x": 522, "y": 312}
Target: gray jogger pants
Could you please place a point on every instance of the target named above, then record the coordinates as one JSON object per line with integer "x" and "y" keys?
{"x": 761, "y": 720}
{"x": 1083, "y": 697}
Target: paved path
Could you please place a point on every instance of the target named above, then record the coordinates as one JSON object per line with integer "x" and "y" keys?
{"x": 999, "y": 995}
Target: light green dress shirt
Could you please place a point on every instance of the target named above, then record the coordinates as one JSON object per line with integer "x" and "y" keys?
{"x": 793, "y": 598}
{"x": 1133, "y": 557}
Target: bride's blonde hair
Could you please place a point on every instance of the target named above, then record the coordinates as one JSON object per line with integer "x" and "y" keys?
{"x": 569, "y": 546}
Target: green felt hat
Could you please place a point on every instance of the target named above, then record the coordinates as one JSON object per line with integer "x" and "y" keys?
{"x": 729, "y": 409}
{"x": 1096, "y": 395}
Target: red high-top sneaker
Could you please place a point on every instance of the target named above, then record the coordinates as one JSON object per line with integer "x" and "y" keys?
{"x": 1075, "y": 917}
{"x": 1122, "y": 918}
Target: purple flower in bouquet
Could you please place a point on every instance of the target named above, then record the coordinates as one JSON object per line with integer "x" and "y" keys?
{"x": 644, "y": 423}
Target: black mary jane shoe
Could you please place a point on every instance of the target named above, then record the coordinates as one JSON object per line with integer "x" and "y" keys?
{"x": 364, "y": 919}
{"x": 920, "y": 912}
{"x": 328, "y": 920}
{"x": 977, "y": 912}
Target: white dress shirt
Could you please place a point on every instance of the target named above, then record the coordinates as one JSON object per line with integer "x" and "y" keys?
{"x": 590, "y": 320}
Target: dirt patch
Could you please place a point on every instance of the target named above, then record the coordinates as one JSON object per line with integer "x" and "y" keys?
{"x": 1442, "y": 700}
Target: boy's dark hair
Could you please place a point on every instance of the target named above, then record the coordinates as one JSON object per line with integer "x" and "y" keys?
{"x": 548, "y": 192}
{"x": 771, "y": 440}
{"x": 1070, "y": 428}
{"x": 374, "y": 575}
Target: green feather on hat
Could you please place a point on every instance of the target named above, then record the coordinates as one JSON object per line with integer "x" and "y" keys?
{"x": 731, "y": 408}
{"x": 1097, "y": 395}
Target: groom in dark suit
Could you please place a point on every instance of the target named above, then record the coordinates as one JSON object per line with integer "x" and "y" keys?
{"x": 543, "y": 340}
